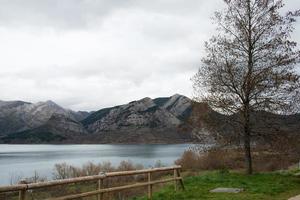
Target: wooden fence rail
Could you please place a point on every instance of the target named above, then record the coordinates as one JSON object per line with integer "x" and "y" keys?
{"x": 22, "y": 188}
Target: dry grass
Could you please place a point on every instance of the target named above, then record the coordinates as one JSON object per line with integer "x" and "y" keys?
{"x": 210, "y": 160}
{"x": 264, "y": 159}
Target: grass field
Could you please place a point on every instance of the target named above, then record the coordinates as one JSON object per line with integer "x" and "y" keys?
{"x": 260, "y": 186}
{"x": 264, "y": 186}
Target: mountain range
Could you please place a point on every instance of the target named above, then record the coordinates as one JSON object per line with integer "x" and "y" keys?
{"x": 142, "y": 121}
{"x": 175, "y": 119}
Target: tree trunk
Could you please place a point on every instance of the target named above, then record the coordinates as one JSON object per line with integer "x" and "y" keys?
{"x": 247, "y": 142}
{"x": 247, "y": 130}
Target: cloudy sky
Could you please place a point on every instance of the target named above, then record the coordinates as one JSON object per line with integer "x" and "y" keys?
{"x": 90, "y": 54}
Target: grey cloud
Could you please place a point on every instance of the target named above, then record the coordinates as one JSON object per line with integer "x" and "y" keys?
{"x": 89, "y": 54}
{"x": 77, "y": 14}
{"x": 55, "y": 13}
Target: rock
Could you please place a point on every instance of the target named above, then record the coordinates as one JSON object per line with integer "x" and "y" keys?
{"x": 297, "y": 174}
{"x": 295, "y": 198}
{"x": 143, "y": 121}
{"x": 227, "y": 190}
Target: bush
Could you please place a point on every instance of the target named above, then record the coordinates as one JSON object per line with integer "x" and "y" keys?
{"x": 64, "y": 170}
{"x": 211, "y": 160}
{"x": 264, "y": 159}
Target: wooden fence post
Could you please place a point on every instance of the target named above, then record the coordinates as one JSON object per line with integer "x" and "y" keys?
{"x": 22, "y": 193}
{"x": 180, "y": 181}
{"x": 175, "y": 180}
{"x": 149, "y": 186}
{"x": 100, "y": 186}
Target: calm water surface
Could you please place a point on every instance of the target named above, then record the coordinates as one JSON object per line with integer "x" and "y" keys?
{"x": 22, "y": 160}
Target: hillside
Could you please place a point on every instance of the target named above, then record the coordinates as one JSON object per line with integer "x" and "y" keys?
{"x": 143, "y": 121}
{"x": 17, "y": 116}
{"x": 172, "y": 119}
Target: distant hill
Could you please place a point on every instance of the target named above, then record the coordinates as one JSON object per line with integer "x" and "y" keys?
{"x": 267, "y": 128}
{"x": 174, "y": 119}
{"x": 142, "y": 121}
{"x": 16, "y": 116}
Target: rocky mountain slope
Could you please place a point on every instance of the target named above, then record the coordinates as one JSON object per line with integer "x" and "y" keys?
{"x": 57, "y": 129}
{"x": 143, "y": 121}
{"x": 147, "y": 121}
{"x": 161, "y": 120}
{"x": 16, "y": 116}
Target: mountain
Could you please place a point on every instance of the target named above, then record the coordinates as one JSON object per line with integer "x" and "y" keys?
{"x": 16, "y": 116}
{"x": 267, "y": 128}
{"x": 57, "y": 129}
{"x": 174, "y": 119}
{"x": 142, "y": 121}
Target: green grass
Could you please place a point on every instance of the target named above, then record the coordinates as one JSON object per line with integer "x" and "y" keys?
{"x": 264, "y": 186}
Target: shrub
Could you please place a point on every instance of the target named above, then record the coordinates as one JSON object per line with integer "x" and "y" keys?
{"x": 210, "y": 160}
{"x": 265, "y": 158}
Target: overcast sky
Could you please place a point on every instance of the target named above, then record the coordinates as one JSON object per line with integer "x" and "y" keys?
{"x": 90, "y": 54}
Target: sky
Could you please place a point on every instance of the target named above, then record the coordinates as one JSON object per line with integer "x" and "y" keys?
{"x": 91, "y": 54}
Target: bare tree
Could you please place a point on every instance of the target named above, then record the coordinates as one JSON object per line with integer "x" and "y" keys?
{"x": 250, "y": 64}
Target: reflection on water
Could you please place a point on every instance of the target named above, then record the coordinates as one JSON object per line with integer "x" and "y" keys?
{"x": 23, "y": 160}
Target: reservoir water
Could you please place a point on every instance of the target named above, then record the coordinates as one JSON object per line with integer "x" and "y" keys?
{"x": 18, "y": 161}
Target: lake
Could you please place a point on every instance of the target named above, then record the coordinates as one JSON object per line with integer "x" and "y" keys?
{"x": 22, "y": 160}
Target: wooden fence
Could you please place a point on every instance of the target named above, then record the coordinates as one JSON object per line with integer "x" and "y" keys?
{"x": 177, "y": 179}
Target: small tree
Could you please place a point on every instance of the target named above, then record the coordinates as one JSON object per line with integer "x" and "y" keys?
{"x": 250, "y": 64}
